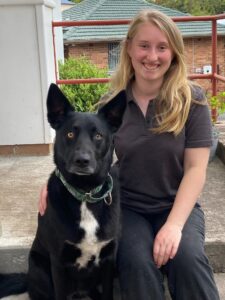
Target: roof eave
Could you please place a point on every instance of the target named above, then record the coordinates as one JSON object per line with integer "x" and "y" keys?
{"x": 113, "y": 39}
{"x": 81, "y": 41}
{"x": 197, "y": 35}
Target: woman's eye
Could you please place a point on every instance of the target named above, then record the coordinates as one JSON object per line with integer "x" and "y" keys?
{"x": 70, "y": 135}
{"x": 98, "y": 136}
{"x": 163, "y": 47}
{"x": 144, "y": 46}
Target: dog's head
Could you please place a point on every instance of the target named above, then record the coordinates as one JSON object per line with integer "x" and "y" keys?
{"x": 83, "y": 144}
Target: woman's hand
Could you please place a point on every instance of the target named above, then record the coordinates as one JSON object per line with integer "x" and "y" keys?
{"x": 42, "y": 205}
{"x": 166, "y": 243}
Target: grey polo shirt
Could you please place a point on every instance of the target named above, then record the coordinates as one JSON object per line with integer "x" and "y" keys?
{"x": 150, "y": 164}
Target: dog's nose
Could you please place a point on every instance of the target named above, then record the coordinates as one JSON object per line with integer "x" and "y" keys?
{"x": 83, "y": 160}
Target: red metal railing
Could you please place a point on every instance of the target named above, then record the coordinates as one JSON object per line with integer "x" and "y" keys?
{"x": 213, "y": 76}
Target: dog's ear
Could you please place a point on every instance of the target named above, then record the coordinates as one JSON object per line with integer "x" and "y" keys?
{"x": 113, "y": 111}
{"x": 57, "y": 105}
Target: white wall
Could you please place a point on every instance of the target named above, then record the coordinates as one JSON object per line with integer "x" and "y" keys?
{"x": 26, "y": 70}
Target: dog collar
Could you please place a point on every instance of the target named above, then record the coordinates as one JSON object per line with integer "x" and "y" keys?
{"x": 89, "y": 196}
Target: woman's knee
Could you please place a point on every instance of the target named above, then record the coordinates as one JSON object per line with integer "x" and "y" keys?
{"x": 136, "y": 242}
{"x": 190, "y": 275}
{"x": 133, "y": 258}
{"x": 139, "y": 275}
{"x": 189, "y": 259}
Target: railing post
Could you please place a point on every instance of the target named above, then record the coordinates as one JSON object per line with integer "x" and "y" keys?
{"x": 54, "y": 53}
{"x": 214, "y": 56}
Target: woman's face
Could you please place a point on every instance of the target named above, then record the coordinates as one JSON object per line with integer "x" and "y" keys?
{"x": 150, "y": 53}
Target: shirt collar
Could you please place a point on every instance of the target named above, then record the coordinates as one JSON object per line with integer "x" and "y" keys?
{"x": 129, "y": 93}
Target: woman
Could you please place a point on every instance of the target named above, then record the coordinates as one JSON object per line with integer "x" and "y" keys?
{"x": 163, "y": 149}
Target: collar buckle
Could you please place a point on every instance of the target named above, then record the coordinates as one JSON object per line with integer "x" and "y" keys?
{"x": 88, "y": 196}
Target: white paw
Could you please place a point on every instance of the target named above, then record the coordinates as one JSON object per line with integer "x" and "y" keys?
{"x": 17, "y": 297}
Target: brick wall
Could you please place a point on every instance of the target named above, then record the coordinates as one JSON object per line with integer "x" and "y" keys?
{"x": 96, "y": 52}
{"x": 198, "y": 54}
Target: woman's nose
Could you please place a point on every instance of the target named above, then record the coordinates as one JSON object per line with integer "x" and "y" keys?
{"x": 152, "y": 54}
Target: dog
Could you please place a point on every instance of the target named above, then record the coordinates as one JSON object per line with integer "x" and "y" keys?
{"x": 73, "y": 253}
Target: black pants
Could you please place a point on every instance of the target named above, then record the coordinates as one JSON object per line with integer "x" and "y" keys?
{"x": 189, "y": 275}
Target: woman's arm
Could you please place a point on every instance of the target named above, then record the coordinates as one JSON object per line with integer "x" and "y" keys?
{"x": 42, "y": 204}
{"x": 168, "y": 238}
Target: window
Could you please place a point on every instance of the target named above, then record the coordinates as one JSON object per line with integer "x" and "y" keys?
{"x": 113, "y": 55}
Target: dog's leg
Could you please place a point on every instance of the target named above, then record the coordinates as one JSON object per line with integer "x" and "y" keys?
{"x": 95, "y": 294}
{"x": 61, "y": 282}
{"x": 40, "y": 279}
{"x": 107, "y": 280}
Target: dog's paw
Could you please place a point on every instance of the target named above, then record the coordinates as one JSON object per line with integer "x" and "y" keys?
{"x": 17, "y": 297}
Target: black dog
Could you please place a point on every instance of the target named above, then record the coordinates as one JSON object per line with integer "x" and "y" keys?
{"x": 76, "y": 240}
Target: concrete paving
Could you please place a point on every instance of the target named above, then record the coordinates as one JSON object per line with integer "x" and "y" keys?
{"x": 21, "y": 179}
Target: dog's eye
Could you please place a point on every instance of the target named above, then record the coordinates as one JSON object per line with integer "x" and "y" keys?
{"x": 98, "y": 136}
{"x": 70, "y": 135}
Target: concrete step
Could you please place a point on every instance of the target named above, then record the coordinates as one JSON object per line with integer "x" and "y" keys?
{"x": 219, "y": 278}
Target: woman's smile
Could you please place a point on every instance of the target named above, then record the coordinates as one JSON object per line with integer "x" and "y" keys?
{"x": 151, "y": 67}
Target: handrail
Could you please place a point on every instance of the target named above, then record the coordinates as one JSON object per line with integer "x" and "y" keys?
{"x": 219, "y": 77}
{"x": 213, "y": 76}
{"x": 90, "y": 23}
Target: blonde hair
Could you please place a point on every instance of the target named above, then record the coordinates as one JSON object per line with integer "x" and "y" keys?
{"x": 174, "y": 101}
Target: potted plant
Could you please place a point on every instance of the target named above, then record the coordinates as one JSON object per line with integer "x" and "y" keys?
{"x": 217, "y": 106}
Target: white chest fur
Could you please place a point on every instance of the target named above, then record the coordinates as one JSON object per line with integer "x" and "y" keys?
{"x": 90, "y": 245}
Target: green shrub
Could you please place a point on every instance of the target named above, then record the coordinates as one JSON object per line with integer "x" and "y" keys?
{"x": 217, "y": 105}
{"x": 82, "y": 96}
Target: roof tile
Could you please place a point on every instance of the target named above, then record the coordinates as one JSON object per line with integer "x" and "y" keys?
{"x": 122, "y": 9}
